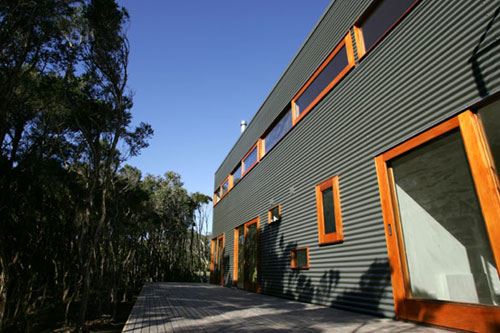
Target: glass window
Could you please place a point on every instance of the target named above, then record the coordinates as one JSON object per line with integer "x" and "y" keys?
{"x": 216, "y": 197}
{"x": 274, "y": 214}
{"x": 250, "y": 160}
{"x": 224, "y": 187}
{"x": 332, "y": 70}
{"x": 328, "y": 211}
{"x": 490, "y": 118}
{"x": 300, "y": 258}
{"x": 324, "y": 79}
{"x": 279, "y": 130}
{"x": 379, "y": 21}
{"x": 237, "y": 175}
{"x": 447, "y": 248}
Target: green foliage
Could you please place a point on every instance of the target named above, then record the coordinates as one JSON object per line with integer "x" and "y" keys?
{"x": 77, "y": 226}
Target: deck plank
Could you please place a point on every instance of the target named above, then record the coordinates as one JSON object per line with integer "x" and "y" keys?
{"x": 199, "y": 307}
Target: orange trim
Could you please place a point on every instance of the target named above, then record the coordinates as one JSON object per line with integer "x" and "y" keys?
{"x": 215, "y": 256}
{"x": 293, "y": 254}
{"x": 212, "y": 261}
{"x": 229, "y": 186}
{"x": 269, "y": 214}
{"x": 235, "y": 261}
{"x": 358, "y": 30}
{"x": 338, "y": 235}
{"x": 470, "y": 317}
{"x": 245, "y": 170}
{"x": 347, "y": 41}
{"x": 485, "y": 178}
{"x": 421, "y": 139}
{"x": 235, "y": 258}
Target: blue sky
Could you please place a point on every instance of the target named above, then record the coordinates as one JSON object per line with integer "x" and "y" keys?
{"x": 197, "y": 68}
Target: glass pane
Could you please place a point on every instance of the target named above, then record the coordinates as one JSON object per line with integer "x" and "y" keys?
{"x": 382, "y": 18}
{"x": 275, "y": 214}
{"x": 490, "y": 117}
{"x": 327, "y": 75}
{"x": 251, "y": 255}
{"x": 328, "y": 211}
{"x": 237, "y": 175}
{"x": 241, "y": 257}
{"x": 301, "y": 257}
{"x": 278, "y": 131}
{"x": 225, "y": 187}
{"x": 250, "y": 160}
{"x": 220, "y": 254}
{"x": 447, "y": 248}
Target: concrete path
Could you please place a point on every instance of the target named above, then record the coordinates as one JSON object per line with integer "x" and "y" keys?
{"x": 200, "y": 307}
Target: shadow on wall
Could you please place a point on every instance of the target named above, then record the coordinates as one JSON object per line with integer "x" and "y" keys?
{"x": 227, "y": 274}
{"x": 486, "y": 49}
{"x": 279, "y": 279}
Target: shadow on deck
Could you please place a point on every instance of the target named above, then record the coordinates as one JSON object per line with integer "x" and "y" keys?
{"x": 197, "y": 307}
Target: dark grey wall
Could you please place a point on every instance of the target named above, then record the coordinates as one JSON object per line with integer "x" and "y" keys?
{"x": 441, "y": 59}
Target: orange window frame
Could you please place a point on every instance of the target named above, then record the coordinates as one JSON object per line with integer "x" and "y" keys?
{"x": 214, "y": 253}
{"x": 347, "y": 42}
{"x": 469, "y": 317}
{"x": 245, "y": 169}
{"x": 338, "y": 235}
{"x": 270, "y": 214}
{"x": 358, "y": 30}
{"x": 229, "y": 180}
{"x": 293, "y": 255}
{"x": 236, "y": 257}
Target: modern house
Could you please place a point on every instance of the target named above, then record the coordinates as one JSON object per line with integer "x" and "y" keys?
{"x": 368, "y": 179}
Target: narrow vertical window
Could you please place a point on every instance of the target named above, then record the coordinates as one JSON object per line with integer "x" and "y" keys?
{"x": 378, "y": 20}
{"x": 329, "y": 211}
{"x": 300, "y": 258}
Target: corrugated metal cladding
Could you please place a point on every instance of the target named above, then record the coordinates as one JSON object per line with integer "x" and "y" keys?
{"x": 443, "y": 57}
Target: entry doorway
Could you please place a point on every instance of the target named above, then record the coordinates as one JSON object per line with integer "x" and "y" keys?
{"x": 217, "y": 267}
{"x": 246, "y": 256}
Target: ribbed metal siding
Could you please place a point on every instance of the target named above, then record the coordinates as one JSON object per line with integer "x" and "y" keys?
{"x": 439, "y": 60}
{"x": 333, "y": 26}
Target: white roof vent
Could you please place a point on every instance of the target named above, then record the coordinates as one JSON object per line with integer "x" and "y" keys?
{"x": 243, "y": 126}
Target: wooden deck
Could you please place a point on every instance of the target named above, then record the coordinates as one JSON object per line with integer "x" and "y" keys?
{"x": 197, "y": 307}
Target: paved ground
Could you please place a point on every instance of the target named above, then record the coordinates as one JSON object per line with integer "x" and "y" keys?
{"x": 197, "y": 307}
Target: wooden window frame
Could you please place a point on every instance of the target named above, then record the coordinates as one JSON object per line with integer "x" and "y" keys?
{"x": 293, "y": 255}
{"x": 235, "y": 254}
{"x": 347, "y": 42}
{"x": 338, "y": 235}
{"x": 244, "y": 169}
{"x": 464, "y": 316}
{"x": 229, "y": 180}
{"x": 263, "y": 149}
{"x": 269, "y": 214}
{"x": 358, "y": 31}
{"x": 214, "y": 253}
{"x": 217, "y": 195}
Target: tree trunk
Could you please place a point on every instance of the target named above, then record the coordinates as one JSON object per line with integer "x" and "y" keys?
{"x": 3, "y": 292}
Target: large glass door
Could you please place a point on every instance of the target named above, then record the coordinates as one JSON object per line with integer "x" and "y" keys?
{"x": 441, "y": 207}
{"x": 246, "y": 256}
